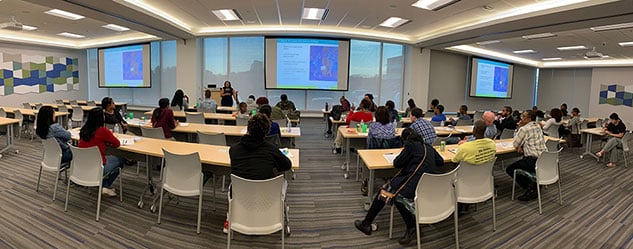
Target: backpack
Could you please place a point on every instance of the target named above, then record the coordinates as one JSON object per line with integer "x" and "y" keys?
{"x": 336, "y": 112}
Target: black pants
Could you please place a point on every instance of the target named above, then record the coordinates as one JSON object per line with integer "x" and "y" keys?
{"x": 378, "y": 204}
{"x": 528, "y": 164}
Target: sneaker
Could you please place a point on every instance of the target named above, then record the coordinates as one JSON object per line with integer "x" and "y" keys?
{"x": 225, "y": 229}
{"x": 336, "y": 151}
{"x": 110, "y": 192}
{"x": 529, "y": 195}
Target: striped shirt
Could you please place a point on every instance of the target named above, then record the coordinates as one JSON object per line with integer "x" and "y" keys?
{"x": 530, "y": 137}
{"x": 378, "y": 130}
{"x": 425, "y": 129}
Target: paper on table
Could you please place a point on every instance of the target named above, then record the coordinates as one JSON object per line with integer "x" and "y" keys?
{"x": 243, "y": 131}
{"x": 505, "y": 145}
{"x": 126, "y": 141}
{"x": 453, "y": 150}
{"x": 390, "y": 157}
{"x": 184, "y": 124}
{"x": 286, "y": 152}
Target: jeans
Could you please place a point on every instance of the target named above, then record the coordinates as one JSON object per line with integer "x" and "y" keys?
{"x": 611, "y": 144}
{"x": 528, "y": 164}
{"x": 378, "y": 204}
{"x": 111, "y": 169}
{"x": 67, "y": 156}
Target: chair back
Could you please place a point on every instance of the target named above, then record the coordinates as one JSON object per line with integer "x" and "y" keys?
{"x": 62, "y": 108}
{"x": 52, "y": 156}
{"x": 436, "y": 123}
{"x": 474, "y": 183}
{"x": 38, "y": 106}
{"x": 584, "y": 124}
{"x": 17, "y": 114}
{"x": 552, "y": 131}
{"x": 462, "y": 122}
{"x": 256, "y": 212}
{"x": 478, "y": 115}
{"x": 59, "y": 102}
{"x": 599, "y": 123}
{"x": 195, "y": 117}
{"x": 435, "y": 198}
{"x": 212, "y": 138}
{"x": 182, "y": 174}
{"x": 86, "y": 168}
{"x": 78, "y": 114}
{"x": 3, "y": 113}
{"x": 384, "y": 143}
{"x": 438, "y": 140}
{"x": 626, "y": 141}
{"x": 273, "y": 139}
{"x": 26, "y": 106}
{"x": 241, "y": 121}
{"x": 91, "y": 103}
{"x": 552, "y": 145}
{"x": 547, "y": 168}
{"x": 74, "y": 102}
{"x": 507, "y": 133}
{"x": 152, "y": 132}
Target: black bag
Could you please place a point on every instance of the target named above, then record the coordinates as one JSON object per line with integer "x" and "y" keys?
{"x": 336, "y": 112}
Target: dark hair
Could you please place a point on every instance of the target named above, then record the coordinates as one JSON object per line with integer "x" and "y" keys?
{"x": 251, "y": 97}
{"x": 44, "y": 121}
{"x": 534, "y": 108}
{"x": 556, "y": 114}
{"x": 258, "y": 126}
{"x": 365, "y": 104}
{"x": 162, "y": 104}
{"x": 284, "y": 97}
{"x": 409, "y": 134}
{"x": 266, "y": 109}
{"x": 614, "y": 116}
{"x": 417, "y": 112}
{"x": 177, "y": 100}
{"x": 261, "y": 101}
{"x": 382, "y": 115}
{"x": 508, "y": 108}
{"x": 479, "y": 129}
{"x": 390, "y": 105}
{"x": 441, "y": 108}
{"x": 94, "y": 121}
{"x": 105, "y": 102}
{"x": 531, "y": 114}
{"x": 563, "y": 104}
{"x": 207, "y": 94}
{"x": 243, "y": 104}
{"x": 576, "y": 110}
{"x": 463, "y": 107}
{"x": 411, "y": 103}
{"x": 370, "y": 96}
{"x": 435, "y": 102}
{"x": 225, "y": 84}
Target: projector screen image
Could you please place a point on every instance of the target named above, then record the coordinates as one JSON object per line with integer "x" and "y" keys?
{"x": 490, "y": 79}
{"x": 307, "y": 63}
{"x": 125, "y": 66}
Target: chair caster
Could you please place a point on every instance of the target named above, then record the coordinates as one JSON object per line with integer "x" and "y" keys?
{"x": 346, "y": 176}
{"x": 287, "y": 231}
{"x": 140, "y": 204}
{"x": 374, "y": 226}
{"x": 581, "y": 156}
{"x": 366, "y": 206}
{"x": 152, "y": 208}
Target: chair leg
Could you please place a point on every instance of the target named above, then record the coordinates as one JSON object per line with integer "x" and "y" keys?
{"x": 514, "y": 182}
{"x": 138, "y": 166}
{"x": 67, "y": 191}
{"x": 538, "y": 192}
{"x": 223, "y": 182}
{"x": 494, "y": 215}
{"x": 56, "y": 180}
{"x": 37, "y": 185}
{"x": 228, "y": 234}
{"x": 417, "y": 230}
{"x": 560, "y": 194}
{"x": 160, "y": 204}
{"x": 200, "y": 213}
{"x": 456, "y": 230}
{"x": 213, "y": 203}
{"x": 120, "y": 185}
{"x": 99, "y": 201}
{"x": 391, "y": 222}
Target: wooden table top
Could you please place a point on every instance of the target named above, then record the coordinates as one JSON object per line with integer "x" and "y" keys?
{"x": 8, "y": 121}
{"x": 85, "y": 102}
{"x": 207, "y": 115}
{"x": 229, "y": 130}
{"x": 595, "y": 131}
{"x": 30, "y": 112}
{"x": 440, "y": 131}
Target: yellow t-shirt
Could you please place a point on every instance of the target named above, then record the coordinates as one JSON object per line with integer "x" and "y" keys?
{"x": 476, "y": 152}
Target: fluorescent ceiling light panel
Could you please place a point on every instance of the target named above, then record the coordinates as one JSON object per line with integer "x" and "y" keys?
{"x": 64, "y": 14}
{"x": 571, "y": 48}
{"x": 393, "y": 22}
{"x": 28, "y": 28}
{"x": 526, "y": 51}
{"x": 433, "y": 4}
{"x": 158, "y": 12}
{"x": 314, "y": 13}
{"x": 115, "y": 27}
{"x": 625, "y": 44}
{"x": 227, "y": 14}
{"x": 552, "y": 59}
{"x": 613, "y": 27}
{"x": 71, "y": 35}
{"x": 488, "y": 42}
{"x": 538, "y": 36}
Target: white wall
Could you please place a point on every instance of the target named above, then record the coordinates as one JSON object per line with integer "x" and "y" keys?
{"x": 16, "y": 99}
{"x": 416, "y": 76}
{"x": 564, "y": 85}
{"x": 609, "y": 76}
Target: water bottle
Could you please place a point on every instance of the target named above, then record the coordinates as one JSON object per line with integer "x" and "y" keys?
{"x": 121, "y": 113}
{"x": 326, "y": 106}
{"x": 442, "y": 123}
{"x": 362, "y": 124}
{"x": 442, "y": 145}
{"x": 288, "y": 125}
{"x": 117, "y": 129}
{"x": 70, "y": 123}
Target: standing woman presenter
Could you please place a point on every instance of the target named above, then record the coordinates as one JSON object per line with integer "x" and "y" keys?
{"x": 228, "y": 94}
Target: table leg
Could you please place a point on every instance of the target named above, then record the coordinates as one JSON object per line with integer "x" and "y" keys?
{"x": 370, "y": 188}
{"x": 150, "y": 187}
{"x": 588, "y": 147}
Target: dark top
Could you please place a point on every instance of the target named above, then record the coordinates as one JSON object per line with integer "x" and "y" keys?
{"x": 255, "y": 159}
{"x": 166, "y": 121}
{"x": 228, "y": 99}
{"x": 114, "y": 118}
{"x": 616, "y": 129}
{"x": 274, "y": 129}
{"x": 408, "y": 161}
{"x": 506, "y": 123}
{"x": 393, "y": 115}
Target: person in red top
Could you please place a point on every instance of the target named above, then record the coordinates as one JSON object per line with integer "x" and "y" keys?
{"x": 363, "y": 114}
{"x": 163, "y": 116}
{"x": 94, "y": 133}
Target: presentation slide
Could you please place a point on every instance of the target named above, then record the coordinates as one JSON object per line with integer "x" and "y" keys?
{"x": 307, "y": 63}
{"x": 490, "y": 79}
{"x": 125, "y": 66}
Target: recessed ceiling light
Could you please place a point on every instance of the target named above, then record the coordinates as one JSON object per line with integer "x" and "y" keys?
{"x": 71, "y": 35}
{"x": 393, "y": 22}
{"x": 314, "y": 13}
{"x": 488, "y": 42}
{"x": 115, "y": 27}
{"x": 433, "y": 4}
{"x": 571, "y": 48}
{"x": 625, "y": 44}
{"x": 227, "y": 14}
{"x": 28, "y": 28}
{"x": 552, "y": 59}
{"x": 64, "y": 14}
{"x": 538, "y": 36}
{"x": 526, "y": 51}
{"x": 613, "y": 27}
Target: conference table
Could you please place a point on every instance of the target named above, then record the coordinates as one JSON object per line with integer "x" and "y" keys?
{"x": 220, "y": 117}
{"x": 589, "y": 133}
{"x": 85, "y": 108}
{"x": 8, "y": 122}
{"x": 122, "y": 105}
{"x": 214, "y": 157}
{"x": 33, "y": 113}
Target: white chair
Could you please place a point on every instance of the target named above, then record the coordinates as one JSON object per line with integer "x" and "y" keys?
{"x": 86, "y": 169}
{"x": 478, "y": 115}
{"x": 59, "y": 102}
{"x": 281, "y": 122}
{"x": 3, "y": 113}
{"x": 436, "y": 123}
{"x": 17, "y": 114}
{"x": 626, "y": 143}
{"x": 463, "y": 122}
{"x": 241, "y": 121}
{"x": 62, "y": 108}
{"x": 74, "y": 102}
{"x": 435, "y": 200}
{"x": 507, "y": 133}
{"x": 438, "y": 140}
{"x": 475, "y": 184}
{"x": 552, "y": 131}
{"x": 26, "y": 106}
{"x": 195, "y": 117}
{"x": 546, "y": 173}
{"x": 211, "y": 138}
{"x": 152, "y": 132}
{"x": 78, "y": 115}
{"x": 552, "y": 145}
{"x": 257, "y": 212}
{"x": 183, "y": 177}
{"x": 91, "y": 103}
{"x": 51, "y": 161}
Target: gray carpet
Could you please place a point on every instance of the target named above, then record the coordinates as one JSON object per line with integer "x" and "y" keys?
{"x": 597, "y": 210}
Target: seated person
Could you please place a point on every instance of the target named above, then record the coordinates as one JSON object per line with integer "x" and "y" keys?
{"x": 111, "y": 115}
{"x": 615, "y": 130}
{"x": 336, "y": 112}
{"x": 411, "y": 104}
{"x": 409, "y": 161}
{"x": 362, "y": 115}
{"x": 382, "y": 128}
{"x": 434, "y": 103}
{"x": 563, "y": 109}
{"x": 574, "y": 122}
{"x": 208, "y": 104}
{"x": 276, "y": 113}
{"x": 243, "y": 111}
{"x": 478, "y": 151}
{"x": 274, "y": 126}
{"x": 163, "y": 117}
{"x": 46, "y": 127}
{"x": 556, "y": 121}
{"x": 180, "y": 101}
{"x": 393, "y": 113}
{"x": 539, "y": 114}
{"x": 505, "y": 120}
{"x": 288, "y": 107}
{"x": 462, "y": 114}
{"x": 422, "y": 127}
{"x": 372, "y": 105}
{"x": 250, "y": 103}
{"x": 439, "y": 114}
{"x": 491, "y": 130}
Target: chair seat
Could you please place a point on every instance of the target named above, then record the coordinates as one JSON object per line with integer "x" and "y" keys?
{"x": 476, "y": 199}
{"x": 263, "y": 230}
{"x": 47, "y": 167}
{"x": 437, "y": 218}
{"x": 181, "y": 192}
{"x": 548, "y": 181}
{"x": 84, "y": 183}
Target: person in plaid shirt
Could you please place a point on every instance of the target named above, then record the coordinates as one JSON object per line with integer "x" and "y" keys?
{"x": 422, "y": 127}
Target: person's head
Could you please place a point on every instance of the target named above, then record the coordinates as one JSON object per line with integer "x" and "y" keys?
{"x": 178, "y": 97}
{"x": 434, "y": 103}
{"x": 207, "y": 94}
{"x": 438, "y": 109}
{"x": 382, "y": 115}
{"x": 45, "y": 117}
{"x": 390, "y": 105}
{"x": 258, "y": 126}
{"x": 94, "y": 121}
{"x": 107, "y": 104}
{"x": 251, "y": 97}
{"x": 283, "y": 97}
{"x": 575, "y": 111}
{"x": 507, "y": 111}
{"x": 365, "y": 104}
{"x": 163, "y": 103}
{"x": 479, "y": 128}
{"x": 416, "y": 113}
{"x": 528, "y": 116}
{"x": 411, "y": 103}
{"x": 488, "y": 117}
{"x": 261, "y": 101}
{"x": 534, "y": 108}
{"x": 463, "y": 109}
{"x": 369, "y": 96}
{"x": 266, "y": 110}
{"x": 409, "y": 134}
{"x": 243, "y": 107}
{"x": 342, "y": 99}
{"x": 227, "y": 84}
{"x": 614, "y": 118}
{"x": 563, "y": 107}
{"x": 556, "y": 114}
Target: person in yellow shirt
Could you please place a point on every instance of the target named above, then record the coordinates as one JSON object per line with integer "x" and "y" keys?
{"x": 478, "y": 151}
